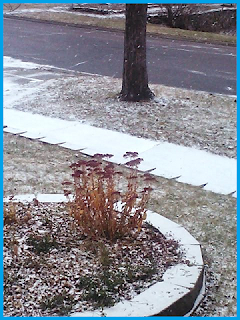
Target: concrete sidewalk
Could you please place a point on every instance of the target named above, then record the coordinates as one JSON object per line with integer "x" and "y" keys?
{"x": 188, "y": 165}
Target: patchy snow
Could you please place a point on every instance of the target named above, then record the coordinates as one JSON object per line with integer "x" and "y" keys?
{"x": 9, "y": 62}
{"x": 34, "y": 167}
{"x": 62, "y": 9}
{"x": 101, "y": 16}
{"x": 15, "y": 91}
{"x": 193, "y": 166}
{"x": 10, "y": 65}
{"x": 189, "y": 118}
{"x": 25, "y": 198}
{"x": 176, "y": 281}
{"x": 217, "y": 10}
{"x": 183, "y": 117}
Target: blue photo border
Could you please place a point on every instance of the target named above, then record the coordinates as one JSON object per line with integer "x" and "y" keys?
{"x": 1, "y": 115}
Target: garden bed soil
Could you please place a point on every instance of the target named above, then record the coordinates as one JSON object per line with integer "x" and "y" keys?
{"x": 52, "y": 269}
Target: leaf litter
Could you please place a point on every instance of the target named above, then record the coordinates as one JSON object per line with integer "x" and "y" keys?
{"x": 28, "y": 164}
{"x": 52, "y": 269}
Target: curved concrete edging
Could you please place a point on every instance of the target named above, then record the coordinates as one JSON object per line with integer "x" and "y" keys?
{"x": 182, "y": 287}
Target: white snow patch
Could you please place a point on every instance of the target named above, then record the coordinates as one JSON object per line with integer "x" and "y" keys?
{"x": 197, "y": 72}
{"x": 52, "y": 197}
{"x": 9, "y": 62}
{"x": 95, "y": 140}
{"x": 194, "y": 166}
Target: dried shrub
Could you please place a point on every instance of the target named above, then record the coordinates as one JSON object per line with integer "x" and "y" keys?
{"x": 9, "y": 213}
{"x": 13, "y": 212}
{"x": 99, "y": 206}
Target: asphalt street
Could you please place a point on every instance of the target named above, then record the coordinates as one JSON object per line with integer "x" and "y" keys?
{"x": 183, "y": 64}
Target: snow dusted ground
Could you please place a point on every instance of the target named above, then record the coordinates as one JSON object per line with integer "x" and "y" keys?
{"x": 185, "y": 117}
{"x": 188, "y": 165}
{"x": 171, "y": 160}
{"x": 148, "y": 296}
{"x": 182, "y": 117}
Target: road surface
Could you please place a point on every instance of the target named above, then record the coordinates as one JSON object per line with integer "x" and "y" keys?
{"x": 176, "y": 63}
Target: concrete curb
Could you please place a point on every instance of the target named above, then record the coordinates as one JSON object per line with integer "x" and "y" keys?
{"x": 117, "y": 30}
{"x": 61, "y": 23}
{"x": 183, "y": 285}
{"x": 187, "y": 303}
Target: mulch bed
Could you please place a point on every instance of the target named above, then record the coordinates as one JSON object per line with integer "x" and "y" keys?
{"x": 52, "y": 269}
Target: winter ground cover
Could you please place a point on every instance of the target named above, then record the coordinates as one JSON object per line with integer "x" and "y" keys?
{"x": 27, "y": 163}
{"x": 188, "y": 165}
{"x": 32, "y": 161}
{"x": 193, "y": 119}
{"x": 74, "y": 266}
{"x": 170, "y": 160}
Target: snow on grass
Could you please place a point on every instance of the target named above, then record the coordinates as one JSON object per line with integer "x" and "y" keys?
{"x": 193, "y": 166}
{"x": 180, "y": 116}
{"x": 185, "y": 117}
{"x": 34, "y": 167}
{"x": 39, "y": 170}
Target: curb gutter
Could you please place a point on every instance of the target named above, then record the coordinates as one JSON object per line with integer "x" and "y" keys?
{"x": 152, "y": 34}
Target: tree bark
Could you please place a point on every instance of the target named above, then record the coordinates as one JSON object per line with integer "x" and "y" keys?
{"x": 135, "y": 77}
{"x": 170, "y": 15}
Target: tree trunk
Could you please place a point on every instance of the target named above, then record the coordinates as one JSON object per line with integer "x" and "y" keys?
{"x": 170, "y": 15}
{"x": 135, "y": 77}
